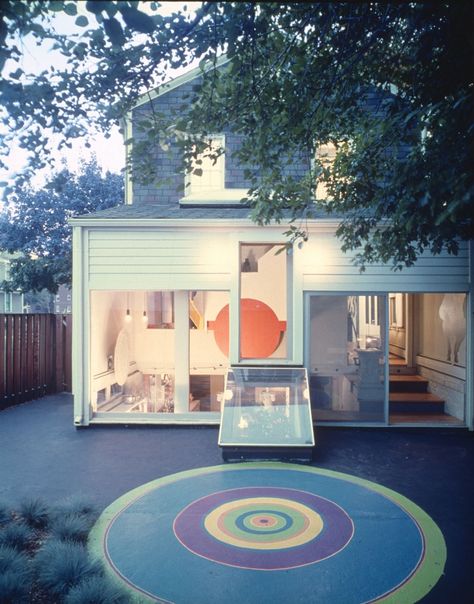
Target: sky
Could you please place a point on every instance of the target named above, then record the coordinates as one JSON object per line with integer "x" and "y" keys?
{"x": 110, "y": 152}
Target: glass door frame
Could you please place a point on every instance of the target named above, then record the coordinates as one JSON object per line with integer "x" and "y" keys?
{"x": 307, "y": 352}
{"x": 294, "y": 302}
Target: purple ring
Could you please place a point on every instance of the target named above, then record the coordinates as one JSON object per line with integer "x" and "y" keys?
{"x": 337, "y": 532}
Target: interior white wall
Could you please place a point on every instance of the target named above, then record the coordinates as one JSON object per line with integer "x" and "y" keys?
{"x": 268, "y": 284}
{"x": 107, "y": 319}
{"x": 328, "y": 338}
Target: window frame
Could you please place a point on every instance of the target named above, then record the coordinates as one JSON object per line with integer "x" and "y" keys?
{"x": 213, "y": 196}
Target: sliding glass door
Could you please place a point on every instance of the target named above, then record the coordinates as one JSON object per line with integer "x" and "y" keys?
{"x": 345, "y": 351}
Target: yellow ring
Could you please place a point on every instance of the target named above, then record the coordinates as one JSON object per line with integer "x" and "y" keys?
{"x": 314, "y": 521}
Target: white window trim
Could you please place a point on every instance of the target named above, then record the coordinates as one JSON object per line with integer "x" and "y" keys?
{"x": 220, "y": 196}
{"x": 224, "y": 197}
{"x": 215, "y": 139}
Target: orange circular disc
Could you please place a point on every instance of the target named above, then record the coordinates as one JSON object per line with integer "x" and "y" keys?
{"x": 260, "y": 329}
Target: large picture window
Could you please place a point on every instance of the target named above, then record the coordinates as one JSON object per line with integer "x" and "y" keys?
{"x": 157, "y": 352}
{"x": 208, "y": 352}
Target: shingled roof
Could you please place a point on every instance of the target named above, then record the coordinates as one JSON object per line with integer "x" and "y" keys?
{"x": 168, "y": 211}
{"x": 174, "y": 211}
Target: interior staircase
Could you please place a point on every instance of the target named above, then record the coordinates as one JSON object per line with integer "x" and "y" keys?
{"x": 409, "y": 396}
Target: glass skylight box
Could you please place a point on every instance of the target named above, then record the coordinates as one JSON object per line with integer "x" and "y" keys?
{"x": 266, "y": 414}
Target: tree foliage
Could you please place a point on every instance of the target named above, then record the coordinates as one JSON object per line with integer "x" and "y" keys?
{"x": 33, "y": 224}
{"x": 390, "y": 85}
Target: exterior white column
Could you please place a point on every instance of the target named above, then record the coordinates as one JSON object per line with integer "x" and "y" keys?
{"x": 80, "y": 331}
{"x": 181, "y": 334}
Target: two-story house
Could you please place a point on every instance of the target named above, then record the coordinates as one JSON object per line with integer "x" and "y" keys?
{"x": 177, "y": 284}
{"x": 10, "y": 302}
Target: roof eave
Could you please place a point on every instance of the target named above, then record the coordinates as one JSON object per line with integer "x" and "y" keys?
{"x": 174, "y": 83}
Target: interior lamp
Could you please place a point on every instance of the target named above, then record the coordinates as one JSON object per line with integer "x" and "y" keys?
{"x": 144, "y": 315}
{"x": 228, "y": 395}
{"x": 243, "y": 423}
{"x": 128, "y": 316}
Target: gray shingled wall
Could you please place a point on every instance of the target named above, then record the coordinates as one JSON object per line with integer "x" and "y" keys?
{"x": 169, "y": 164}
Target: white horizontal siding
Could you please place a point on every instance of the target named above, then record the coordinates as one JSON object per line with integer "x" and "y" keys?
{"x": 325, "y": 267}
{"x": 157, "y": 259}
{"x": 197, "y": 258}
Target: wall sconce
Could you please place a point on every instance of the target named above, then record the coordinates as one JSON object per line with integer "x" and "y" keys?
{"x": 144, "y": 316}
{"x": 128, "y": 316}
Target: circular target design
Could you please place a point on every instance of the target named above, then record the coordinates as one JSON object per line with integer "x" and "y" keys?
{"x": 273, "y": 532}
{"x": 264, "y": 528}
{"x": 263, "y": 523}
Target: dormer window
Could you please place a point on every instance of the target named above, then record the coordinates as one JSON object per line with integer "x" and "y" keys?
{"x": 208, "y": 169}
{"x": 326, "y": 155}
{"x": 205, "y": 183}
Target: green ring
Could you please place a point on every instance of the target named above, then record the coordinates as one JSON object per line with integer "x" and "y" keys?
{"x": 229, "y": 524}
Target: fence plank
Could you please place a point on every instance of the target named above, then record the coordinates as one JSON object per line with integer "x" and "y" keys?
{"x": 59, "y": 373}
{"x": 9, "y": 359}
{"x": 24, "y": 357}
{"x": 42, "y": 355}
{"x": 30, "y": 349}
{"x": 3, "y": 385}
{"x": 35, "y": 356}
{"x": 67, "y": 358}
{"x": 16, "y": 345}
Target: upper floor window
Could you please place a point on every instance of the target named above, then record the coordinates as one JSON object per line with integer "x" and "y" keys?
{"x": 205, "y": 182}
{"x": 326, "y": 155}
{"x": 208, "y": 169}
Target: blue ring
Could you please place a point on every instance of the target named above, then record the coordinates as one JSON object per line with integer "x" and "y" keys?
{"x": 241, "y": 519}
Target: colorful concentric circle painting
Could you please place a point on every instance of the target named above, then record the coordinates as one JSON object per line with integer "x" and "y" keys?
{"x": 269, "y": 532}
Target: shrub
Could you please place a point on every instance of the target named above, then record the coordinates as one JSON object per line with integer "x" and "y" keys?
{"x": 16, "y": 535}
{"x": 71, "y": 528}
{"x": 12, "y": 560}
{"x": 61, "y": 565}
{"x": 13, "y": 589}
{"x": 35, "y": 513}
{"x": 5, "y": 513}
{"x": 77, "y": 505}
{"x": 15, "y": 576}
{"x": 96, "y": 590}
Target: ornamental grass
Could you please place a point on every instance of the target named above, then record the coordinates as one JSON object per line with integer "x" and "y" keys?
{"x": 44, "y": 558}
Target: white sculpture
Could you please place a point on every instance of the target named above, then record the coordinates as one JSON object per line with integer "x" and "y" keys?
{"x": 453, "y": 317}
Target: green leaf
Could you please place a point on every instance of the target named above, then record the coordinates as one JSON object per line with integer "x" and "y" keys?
{"x": 70, "y": 9}
{"x": 16, "y": 75}
{"x": 95, "y": 6}
{"x": 114, "y": 31}
{"x": 56, "y": 6}
{"x": 82, "y": 21}
{"x": 137, "y": 20}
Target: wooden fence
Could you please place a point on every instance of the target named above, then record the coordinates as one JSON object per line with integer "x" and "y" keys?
{"x": 35, "y": 356}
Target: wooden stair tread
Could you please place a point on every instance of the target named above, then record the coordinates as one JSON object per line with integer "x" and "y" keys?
{"x": 401, "y": 370}
{"x": 397, "y": 361}
{"x": 402, "y": 377}
{"x": 414, "y": 397}
{"x": 422, "y": 418}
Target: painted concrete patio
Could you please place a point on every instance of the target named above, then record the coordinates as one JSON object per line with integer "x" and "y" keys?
{"x": 42, "y": 454}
